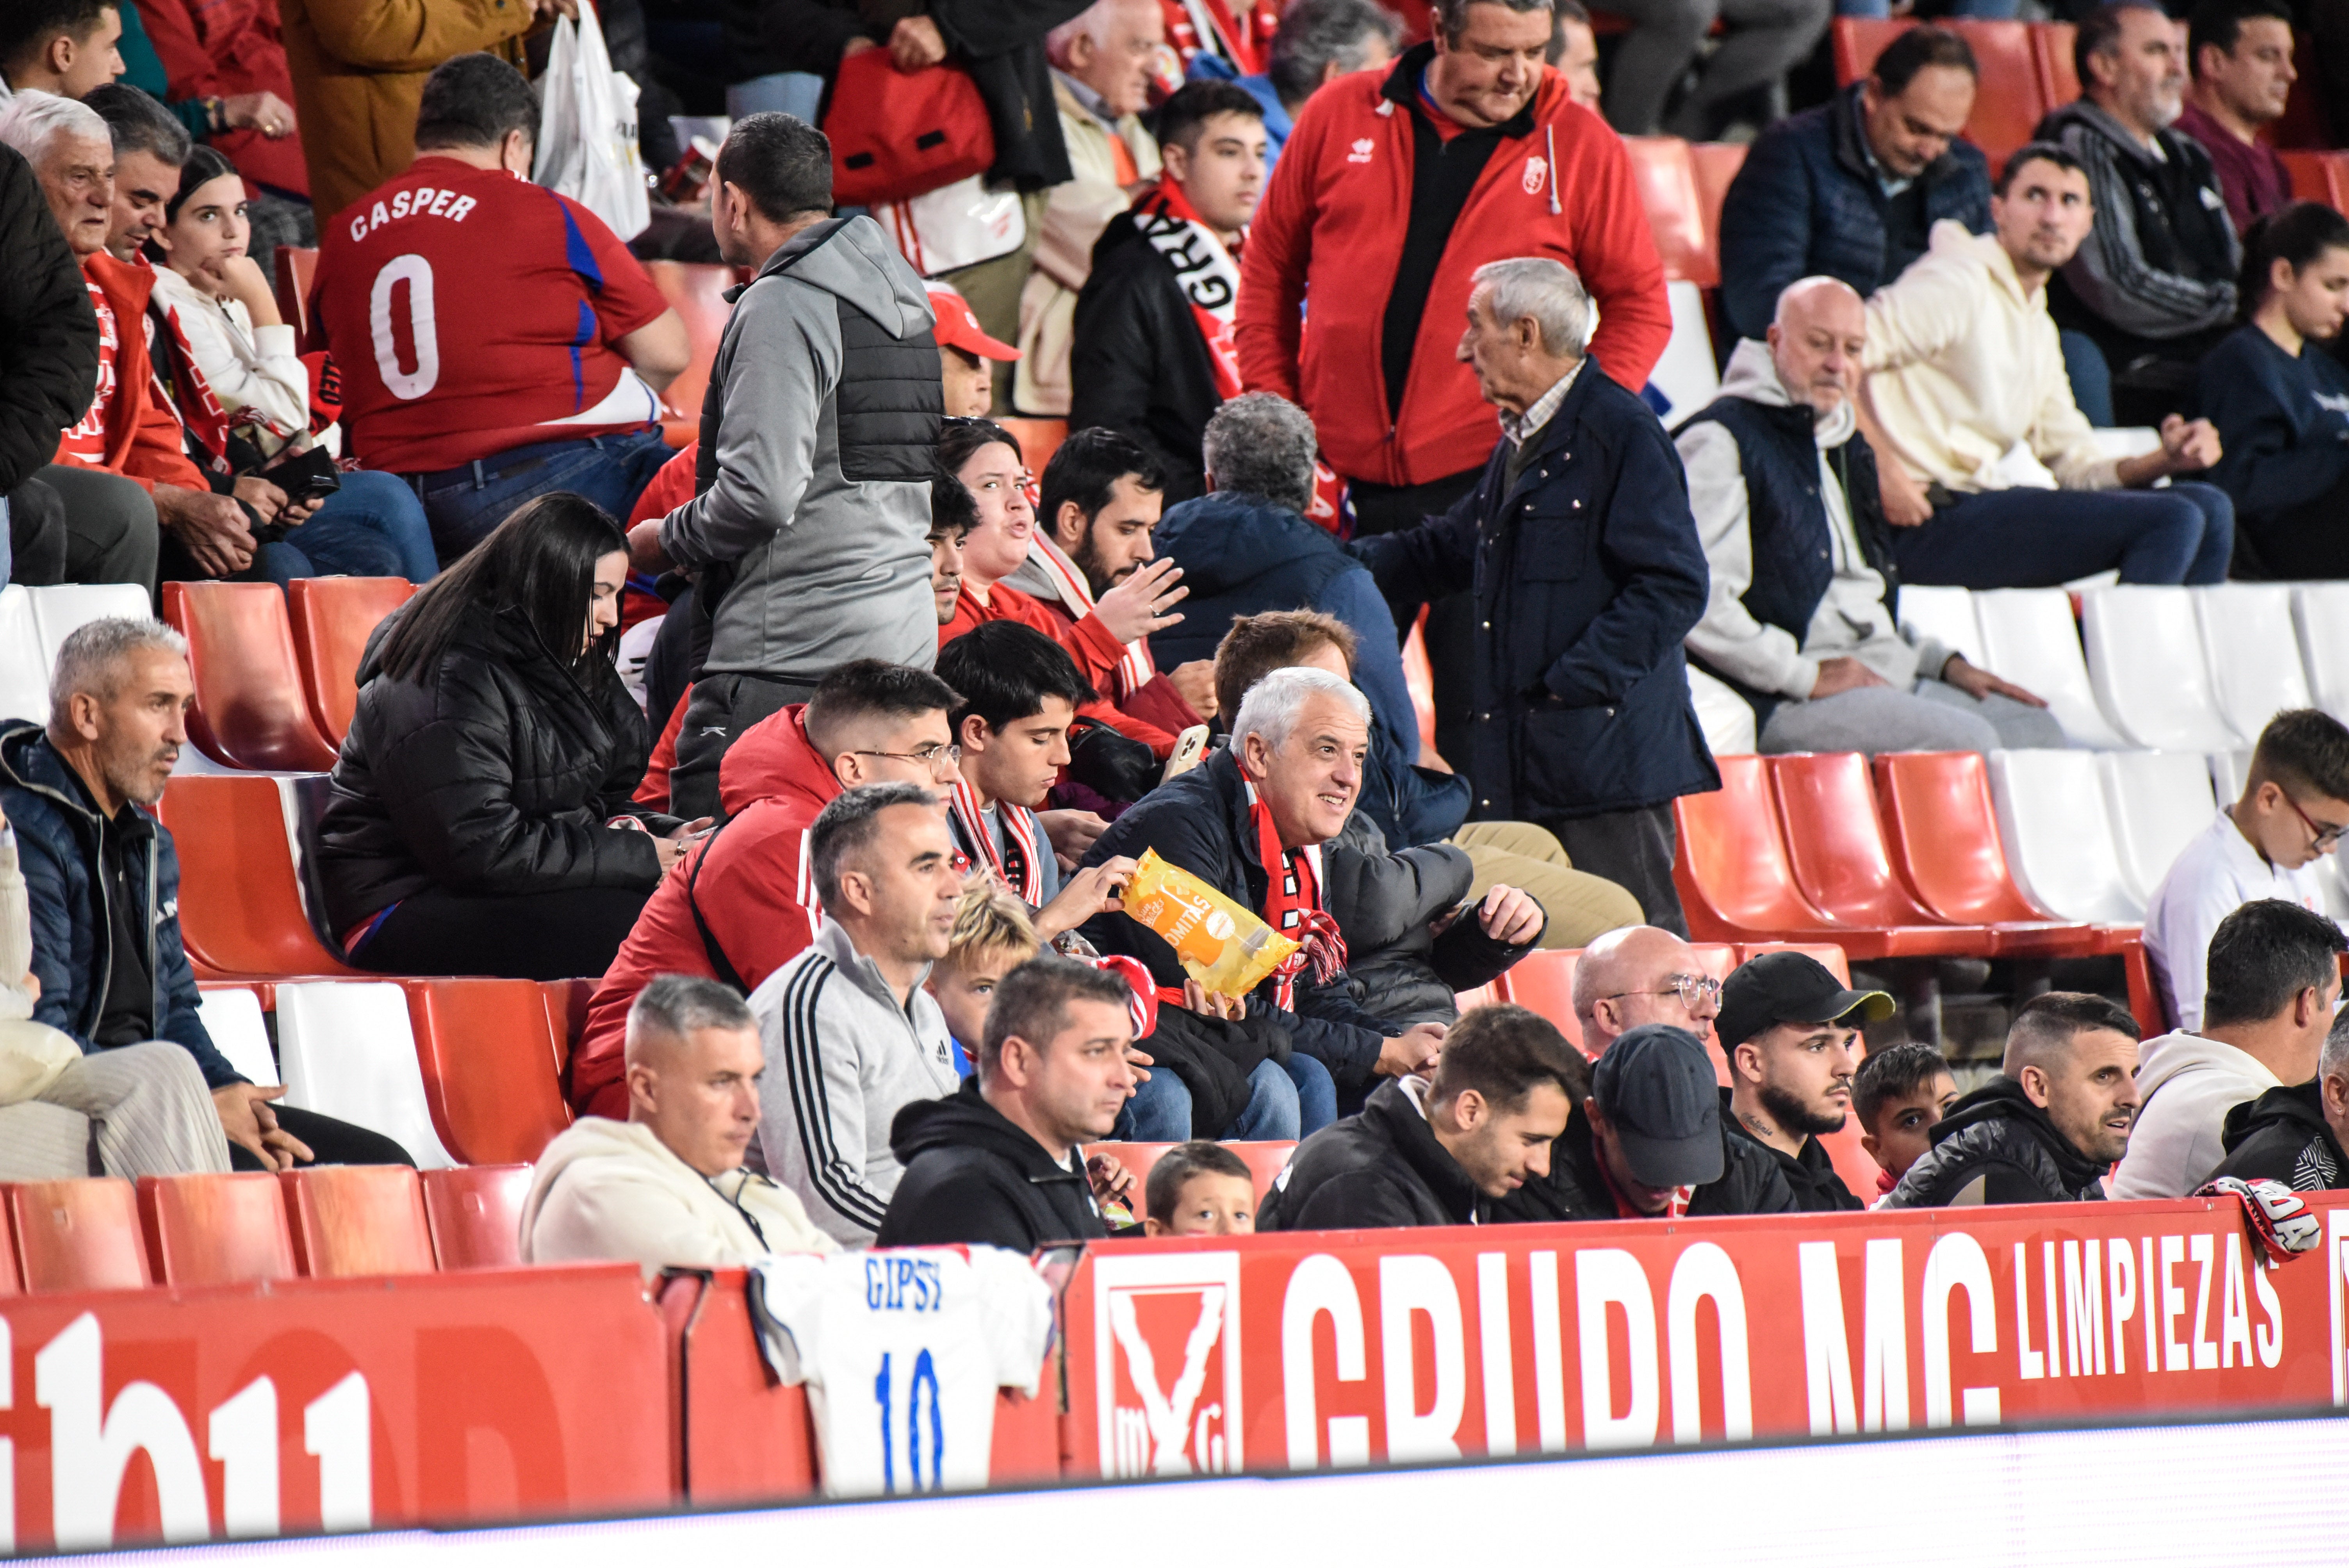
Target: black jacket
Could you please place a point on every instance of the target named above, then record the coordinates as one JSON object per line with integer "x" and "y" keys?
{"x": 1810, "y": 1175}
{"x": 972, "y": 1177}
{"x": 1376, "y": 1171}
{"x": 1588, "y": 576}
{"x": 1575, "y": 1189}
{"x": 1138, "y": 364}
{"x": 1996, "y": 1147}
{"x": 2282, "y": 1135}
{"x": 1386, "y": 903}
{"x": 493, "y": 777}
{"x": 48, "y": 332}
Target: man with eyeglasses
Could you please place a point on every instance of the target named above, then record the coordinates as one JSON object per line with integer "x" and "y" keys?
{"x": 1791, "y": 1030}
{"x": 742, "y": 905}
{"x": 2294, "y": 808}
{"x": 1641, "y": 975}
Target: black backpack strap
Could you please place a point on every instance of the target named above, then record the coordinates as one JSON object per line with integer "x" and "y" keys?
{"x": 722, "y": 966}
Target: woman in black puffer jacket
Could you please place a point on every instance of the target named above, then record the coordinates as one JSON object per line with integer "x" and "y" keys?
{"x": 479, "y": 822}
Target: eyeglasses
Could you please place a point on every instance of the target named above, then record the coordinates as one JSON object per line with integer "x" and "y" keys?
{"x": 939, "y": 759}
{"x": 2326, "y": 837}
{"x": 1693, "y": 990}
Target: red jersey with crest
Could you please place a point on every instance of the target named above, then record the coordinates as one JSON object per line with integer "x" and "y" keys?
{"x": 470, "y": 312}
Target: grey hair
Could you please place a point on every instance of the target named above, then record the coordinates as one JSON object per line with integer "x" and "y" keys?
{"x": 1451, "y": 16}
{"x": 1092, "y": 22}
{"x": 91, "y": 659}
{"x": 1272, "y": 705}
{"x": 677, "y": 1004}
{"x": 138, "y": 123}
{"x": 1546, "y": 290}
{"x": 1260, "y": 443}
{"x": 32, "y": 120}
{"x": 1317, "y": 33}
{"x": 2335, "y": 1061}
{"x": 847, "y": 825}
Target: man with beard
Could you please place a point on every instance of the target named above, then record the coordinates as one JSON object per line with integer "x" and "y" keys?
{"x": 952, "y": 514}
{"x": 1792, "y": 1032}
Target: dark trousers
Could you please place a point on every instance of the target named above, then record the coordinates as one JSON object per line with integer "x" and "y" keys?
{"x": 1450, "y": 633}
{"x": 1634, "y": 850}
{"x": 37, "y": 539}
{"x": 557, "y": 935}
{"x": 2305, "y": 542}
{"x": 333, "y": 1142}
{"x": 2044, "y": 539}
{"x": 110, "y": 530}
{"x": 717, "y": 711}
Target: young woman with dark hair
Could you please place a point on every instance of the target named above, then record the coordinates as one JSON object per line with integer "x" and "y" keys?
{"x": 2280, "y": 400}
{"x": 479, "y": 822}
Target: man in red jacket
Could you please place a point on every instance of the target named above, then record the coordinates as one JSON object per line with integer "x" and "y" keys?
{"x": 741, "y": 907}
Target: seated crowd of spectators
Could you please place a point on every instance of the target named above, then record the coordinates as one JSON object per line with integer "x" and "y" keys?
{"x": 1351, "y": 338}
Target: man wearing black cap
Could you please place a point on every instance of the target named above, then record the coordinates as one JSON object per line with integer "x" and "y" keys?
{"x": 1649, "y": 1142}
{"x": 1791, "y": 1031}
{"x": 1436, "y": 1152}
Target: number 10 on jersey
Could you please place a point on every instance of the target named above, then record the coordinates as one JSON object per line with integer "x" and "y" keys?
{"x": 919, "y": 1411}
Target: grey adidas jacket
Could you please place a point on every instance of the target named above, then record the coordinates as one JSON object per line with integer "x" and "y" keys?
{"x": 842, "y": 1060}
{"x": 818, "y": 432}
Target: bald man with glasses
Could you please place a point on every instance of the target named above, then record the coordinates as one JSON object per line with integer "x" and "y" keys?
{"x": 1641, "y": 975}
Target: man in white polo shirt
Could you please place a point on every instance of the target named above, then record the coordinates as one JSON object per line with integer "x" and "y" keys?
{"x": 2295, "y": 807}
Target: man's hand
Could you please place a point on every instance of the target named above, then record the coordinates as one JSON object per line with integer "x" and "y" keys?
{"x": 1195, "y": 683}
{"x": 1208, "y": 1004}
{"x": 1905, "y": 502}
{"x": 1842, "y": 674}
{"x": 1086, "y": 894}
{"x": 2188, "y": 446}
{"x": 210, "y": 527}
{"x": 1415, "y": 1050}
{"x": 856, "y": 44}
{"x": 645, "y": 551}
{"x": 1137, "y": 606}
{"x": 548, "y": 10}
{"x": 265, "y": 112}
{"x": 1510, "y": 915}
{"x": 671, "y": 846}
{"x": 1072, "y": 834}
{"x": 1112, "y": 1181}
{"x": 251, "y": 1125}
{"x": 1978, "y": 683}
{"x": 265, "y": 499}
{"x": 916, "y": 42}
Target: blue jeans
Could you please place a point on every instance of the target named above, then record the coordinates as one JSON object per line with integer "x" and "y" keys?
{"x": 1160, "y": 1111}
{"x": 2043, "y": 539}
{"x": 346, "y": 536}
{"x": 466, "y": 503}
{"x": 1317, "y": 1094}
{"x": 2091, "y": 377}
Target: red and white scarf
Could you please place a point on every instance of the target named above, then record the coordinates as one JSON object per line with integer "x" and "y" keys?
{"x": 1136, "y": 669}
{"x": 1245, "y": 40}
{"x": 1015, "y": 863}
{"x": 1293, "y": 907}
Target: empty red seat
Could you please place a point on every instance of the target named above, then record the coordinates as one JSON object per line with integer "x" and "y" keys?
{"x": 215, "y": 1230}
{"x": 2051, "y": 57}
{"x": 240, "y": 895}
{"x": 2145, "y": 996}
{"x": 12, "y": 1281}
{"x": 1266, "y": 1158}
{"x": 78, "y": 1235}
{"x": 297, "y": 267}
{"x": 1859, "y": 40}
{"x": 1941, "y": 832}
{"x": 1837, "y": 849}
{"x": 475, "y": 1214}
{"x": 1037, "y": 438}
{"x": 491, "y": 1074}
{"x": 250, "y": 710}
{"x": 567, "y": 1016}
{"x": 1732, "y": 873}
{"x": 2318, "y": 175}
{"x": 697, "y": 293}
{"x": 1543, "y": 980}
{"x": 332, "y": 618}
{"x": 1666, "y": 177}
{"x": 1716, "y": 164}
{"x": 358, "y": 1220}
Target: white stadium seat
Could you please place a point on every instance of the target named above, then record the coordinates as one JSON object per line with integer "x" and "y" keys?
{"x": 1945, "y": 615}
{"x": 1686, "y": 375}
{"x": 24, "y": 670}
{"x": 2320, "y": 612}
{"x": 348, "y": 1052}
{"x": 2058, "y": 842}
{"x": 1727, "y": 718}
{"x": 2159, "y": 801}
{"x": 232, "y": 1016}
{"x": 2146, "y": 664}
{"x": 2227, "y": 771}
{"x": 2028, "y": 636}
{"x": 62, "y": 611}
{"x": 2255, "y": 669}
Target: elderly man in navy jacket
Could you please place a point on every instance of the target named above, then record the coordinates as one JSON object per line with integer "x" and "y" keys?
{"x": 1586, "y": 572}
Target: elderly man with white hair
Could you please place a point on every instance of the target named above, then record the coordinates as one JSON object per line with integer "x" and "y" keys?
{"x": 1251, "y": 821}
{"x": 1587, "y": 575}
{"x": 1802, "y": 621}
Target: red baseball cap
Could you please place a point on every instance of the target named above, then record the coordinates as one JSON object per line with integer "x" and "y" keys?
{"x": 959, "y": 329}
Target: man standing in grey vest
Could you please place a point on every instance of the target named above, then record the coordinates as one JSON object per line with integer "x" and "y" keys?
{"x": 807, "y": 534}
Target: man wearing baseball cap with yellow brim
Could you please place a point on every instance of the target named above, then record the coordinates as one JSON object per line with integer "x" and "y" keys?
{"x": 1792, "y": 1033}
{"x": 964, "y": 354}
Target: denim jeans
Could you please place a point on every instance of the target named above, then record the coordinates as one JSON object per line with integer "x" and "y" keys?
{"x": 347, "y": 536}
{"x": 1317, "y": 1094}
{"x": 466, "y": 503}
{"x": 2044, "y": 538}
{"x": 1160, "y": 1111}
{"x": 2091, "y": 377}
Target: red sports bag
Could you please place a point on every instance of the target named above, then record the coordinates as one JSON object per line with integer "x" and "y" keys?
{"x": 896, "y": 135}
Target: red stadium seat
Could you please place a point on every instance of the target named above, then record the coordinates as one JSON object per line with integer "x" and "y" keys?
{"x": 1543, "y": 980}
{"x": 2145, "y": 996}
{"x": 1666, "y": 177}
{"x": 1837, "y": 849}
{"x": 491, "y": 1074}
{"x": 1265, "y": 1159}
{"x": 697, "y": 293}
{"x": 475, "y": 1214}
{"x": 1037, "y": 438}
{"x": 358, "y": 1220}
{"x": 2318, "y": 175}
{"x": 2051, "y": 56}
{"x": 249, "y": 711}
{"x": 297, "y": 267}
{"x": 1137, "y": 1158}
{"x": 78, "y": 1236}
{"x": 1942, "y": 833}
{"x": 567, "y": 1014}
{"x": 1859, "y": 40}
{"x": 1419, "y": 676}
{"x": 746, "y": 1437}
{"x": 1732, "y": 872}
{"x": 240, "y": 897}
{"x": 2011, "y": 95}
{"x": 1482, "y": 997}
{"x": 215, "y": 1230}
{"x": 332, "y": 618}
{"x": 1716, "y": 165}
{"x": 12, "y": 1279}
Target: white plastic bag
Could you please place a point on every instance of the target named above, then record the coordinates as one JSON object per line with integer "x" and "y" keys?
{"x": 587, "y": 128}
{"x": 956, "y": 225}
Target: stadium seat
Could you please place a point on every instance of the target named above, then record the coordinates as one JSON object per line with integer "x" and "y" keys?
{"x": 233, "y": 1016}
{"x": 1037, "y": 438}
{"x": 241, "y": 907}
{"x": 1137, "y": 1158}
{"x": 2146, "y": 661}
{"x": 1716, "y": 165}
{"x": 2058, "y": 842}
{"x": 331, "y": 619}
{"x": 249, "y": 711}
{"x": 2008, "y": 102}
{"x": 2228, "y": 769}
{"x": 490, "y": 1073}
{"x": 1688, "y": 375}
{"x": 2159, "y": 801}
{"x": 1419, "y": 676}
{"x": 2320, "y": 613}
{"x": 78, "y": 1236}
{"x": 2030, "y": 636}
{"x": 2145, "y": 996}
{"x": 1480, "y": 997}
{"x": 1859, "y": 40}
{"x": 566, "y": 1016}
{"x": 1543, "y": 980}
{"x": 12, "y": 1281}
{"x": 1944, "y": 614}
{"x": 348, "y": 1051}
{"x": 1943, "y": 834}
{"x": 358, "y": 1220}
{"x": 2051, "y": 58}
{"x": 24, "y": 666}
{"x": 475, "y": 1214}
{"x": 1834, "y": 844}
{"x": 61, "y": 610}
{"x": 2255, "y": 661}
{"x": 1732, "y": 873}
{"x": 297, "y": 265}
{"x": 1666, "y": 177}
{"x": 215, "y": 1230}
{"x": 1265, "y": 1159}
{"x": 697, "y": 293}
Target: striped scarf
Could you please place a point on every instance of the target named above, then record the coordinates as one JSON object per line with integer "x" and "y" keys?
{"x": 1015, "y": 864}
{"x": 1292, "y": 906}
{"x": 1136, "y": 669}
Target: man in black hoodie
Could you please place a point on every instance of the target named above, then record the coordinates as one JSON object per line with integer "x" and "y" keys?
{"x": 1791, "y": 1030}
{"x": 2049, "y": 1125}
{"x": 2294, "y": 1134}
{"x": 1437, "y": 1152}
{"x": 999, "y": 1162}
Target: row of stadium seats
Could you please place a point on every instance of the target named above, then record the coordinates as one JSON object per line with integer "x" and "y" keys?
{"x": 2157, "y": 668}
{"x": 34, "y": 624}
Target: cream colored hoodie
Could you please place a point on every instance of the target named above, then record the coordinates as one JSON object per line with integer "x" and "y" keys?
{"x": 2187, "y": 1083}
{"x": 611, "y": 1189}
{"x": 1965, "y": 375}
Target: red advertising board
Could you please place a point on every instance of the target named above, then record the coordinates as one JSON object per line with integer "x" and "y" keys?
{"x": 1297, "y": 1352}
{"x": 244, "y": 1410}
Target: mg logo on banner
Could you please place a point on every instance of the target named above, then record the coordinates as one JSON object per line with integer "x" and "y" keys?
{"x": 1166, "y": 1364}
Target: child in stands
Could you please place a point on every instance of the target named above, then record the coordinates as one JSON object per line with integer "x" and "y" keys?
{"x": 1199, "y": 1189}
{"x": 992, "y": 936}
{"x": 1900, "y": 1095}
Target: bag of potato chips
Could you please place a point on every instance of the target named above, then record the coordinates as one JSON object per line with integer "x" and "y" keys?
{"x": 1222, "y": 945}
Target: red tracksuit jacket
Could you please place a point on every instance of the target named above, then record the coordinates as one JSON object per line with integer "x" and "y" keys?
{"x": 1322, "y": 251}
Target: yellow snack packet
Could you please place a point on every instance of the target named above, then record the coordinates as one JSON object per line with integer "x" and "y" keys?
{"x": 1223, "y": 944}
